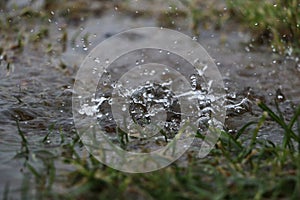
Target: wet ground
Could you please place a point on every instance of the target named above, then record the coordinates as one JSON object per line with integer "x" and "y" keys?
{"x": 36, "y": 82}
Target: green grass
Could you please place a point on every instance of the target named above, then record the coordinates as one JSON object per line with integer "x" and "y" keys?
{"x": 272, "y": 22}
{"x": 276, "y": 22}
{"x": 235, "y": 169}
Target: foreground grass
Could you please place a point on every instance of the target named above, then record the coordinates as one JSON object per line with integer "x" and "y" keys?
{"x": 235, "y": 169}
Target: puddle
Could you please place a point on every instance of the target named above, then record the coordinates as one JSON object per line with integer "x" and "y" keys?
{"x": 36, "y": 89}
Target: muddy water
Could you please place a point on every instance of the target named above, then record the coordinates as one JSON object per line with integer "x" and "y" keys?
{"x": 36, "y": 90}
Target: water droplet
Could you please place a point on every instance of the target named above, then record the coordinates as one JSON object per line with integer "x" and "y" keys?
{"x": 256, "y": 24}
{"x": 152, "y": 73}
{"x": 124, "y": 108}
{"x": 107, "y": 61}
{"x": 94, "y": 70}
{"x": 298, "y": 67}
{"x": 280, "y": 97}
{"x": 247, "y": 49}
{"x": 193, "y": 82}
{"x": 97, "y": 60}
{"x": 232, "y": 95}
{"x": 47, "y": 141}
{"x": 116, "y": 7}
